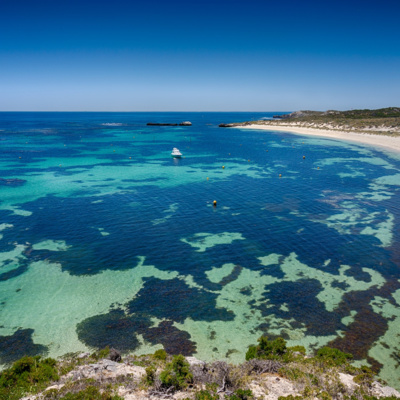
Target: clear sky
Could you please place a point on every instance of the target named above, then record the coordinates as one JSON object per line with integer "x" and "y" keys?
{"x": 220, "y": 55}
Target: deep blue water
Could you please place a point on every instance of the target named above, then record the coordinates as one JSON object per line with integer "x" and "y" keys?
{"x": 108, "y": 240}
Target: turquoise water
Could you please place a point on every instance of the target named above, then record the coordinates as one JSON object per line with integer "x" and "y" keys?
{"x": 107, "y": 240}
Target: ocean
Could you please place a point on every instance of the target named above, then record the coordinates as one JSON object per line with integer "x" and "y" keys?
{"x": 105, "y": 239}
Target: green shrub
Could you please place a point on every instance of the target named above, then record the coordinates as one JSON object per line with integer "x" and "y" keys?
{"x": 150, "y": 374}
{"x": 103, "y": 353}
{"x": 333, "y": 356}
{"x": 365, "y": 376}
{"x": 91, "y": 393}
{"x": 160, "y": 355}
{"x": 290, "y": 397}
{"x": 177, "y": 373}
{"x": 29, "y": 374}
{"x": 325, "y": 396}
{"x": 298, "y": 349}
{"x": 241, "y": 394}
{"x": 206, "y": 395}
{"x": 291, "y": 373}
{"x": 251, "y": 353}
{"x": 267, "y": 349}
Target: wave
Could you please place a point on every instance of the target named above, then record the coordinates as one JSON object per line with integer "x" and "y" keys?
{"x": 112, "y": 124}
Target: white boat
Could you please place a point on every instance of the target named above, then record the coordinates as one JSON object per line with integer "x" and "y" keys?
{"x": 176, "y": 153}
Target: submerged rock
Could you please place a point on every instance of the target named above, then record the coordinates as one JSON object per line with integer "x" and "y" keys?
{"x": 12, "y": 182}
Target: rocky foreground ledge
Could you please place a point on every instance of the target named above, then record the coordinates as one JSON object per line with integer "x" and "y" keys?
{"x": 128, "y": 381}
{"x": 271, "y": 371}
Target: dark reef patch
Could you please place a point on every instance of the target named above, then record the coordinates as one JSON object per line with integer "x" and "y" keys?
{"x": 246, "y": 291}
{"x": 174, "y": 340}
{"x": 301, "y": 300}
{"x": 14, "y": 273}
{"x": 232, "y": 276}
{"x": 19, "y": 344}
{"x": 367, "y": 326}
{"x": 175, "y": 300}
{"x": 113, "y": 329}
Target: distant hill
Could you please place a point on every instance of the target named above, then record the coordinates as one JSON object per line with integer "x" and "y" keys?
{"x": 389, "y": 112}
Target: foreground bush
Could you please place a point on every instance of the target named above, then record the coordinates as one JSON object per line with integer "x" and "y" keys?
{"x": 177, "y": 373}
{"x": 27, "y": 374}
{"x": 267, "y": 349}
{"x": 333, "y": 356}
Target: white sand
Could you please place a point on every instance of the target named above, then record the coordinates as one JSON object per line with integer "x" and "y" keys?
{"x": 387, "y": 142}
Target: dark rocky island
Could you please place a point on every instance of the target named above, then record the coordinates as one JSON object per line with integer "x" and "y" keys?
{"x": 185, "y": 123}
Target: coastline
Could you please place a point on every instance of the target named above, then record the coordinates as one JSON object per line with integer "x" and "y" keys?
{"x": 385, "y": 142}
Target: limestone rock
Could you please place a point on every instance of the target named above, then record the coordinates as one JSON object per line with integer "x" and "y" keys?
{"x": 194, "y": 361}
{"x": 105, "y": 369}
{"x": 348, "y": 382}
{"x": 379, "y": 390}
{"x": 83, "y": 355}
{"x": 273, "y": 387}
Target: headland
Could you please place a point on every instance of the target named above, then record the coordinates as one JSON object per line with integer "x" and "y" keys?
{"x": 377, "y": 128}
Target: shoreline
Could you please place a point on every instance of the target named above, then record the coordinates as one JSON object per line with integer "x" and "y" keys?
{"x": 385, "y": 142}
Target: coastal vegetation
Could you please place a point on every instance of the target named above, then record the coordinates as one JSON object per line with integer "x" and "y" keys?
{"x": 383, "y": 121}
{"x": 326, "y": 375}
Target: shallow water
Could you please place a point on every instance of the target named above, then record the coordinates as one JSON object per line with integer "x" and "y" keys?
{"x": 107, "y": 240}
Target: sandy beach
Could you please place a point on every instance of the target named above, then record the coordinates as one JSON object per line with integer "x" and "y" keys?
{"x": 385, "y": 142}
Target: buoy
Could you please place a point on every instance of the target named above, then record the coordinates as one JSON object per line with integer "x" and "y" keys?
{"x": 248, "y": 160}
{"x": 114, "y": 151}
{"x": 229, "y": 153}
{"x": 223, "y": 167}
{"x": 130, "y": 158}
{"x": 266, "y": 151}
{"x": 304, "y": 157}
{"x": 208, "y": 178}
{"x": 280, "y": 175}
{"x": 60, "y": 165}
{"x": 317, "y": 167}
{"x": 215, "y": 202}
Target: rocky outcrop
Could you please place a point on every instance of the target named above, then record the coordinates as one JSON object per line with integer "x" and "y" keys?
{"x": 272, "y": 387}
{"x": 104, "y": 369}
{"x": 184, "y": 123}
{"x": 128, "y": 381}
{"x": 160, "y": 124}
{"x": 115, "y": 355}
{"x": 232, "y": 125}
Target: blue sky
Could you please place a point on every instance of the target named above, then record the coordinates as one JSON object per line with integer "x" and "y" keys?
{"x": 198, "y": 56}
